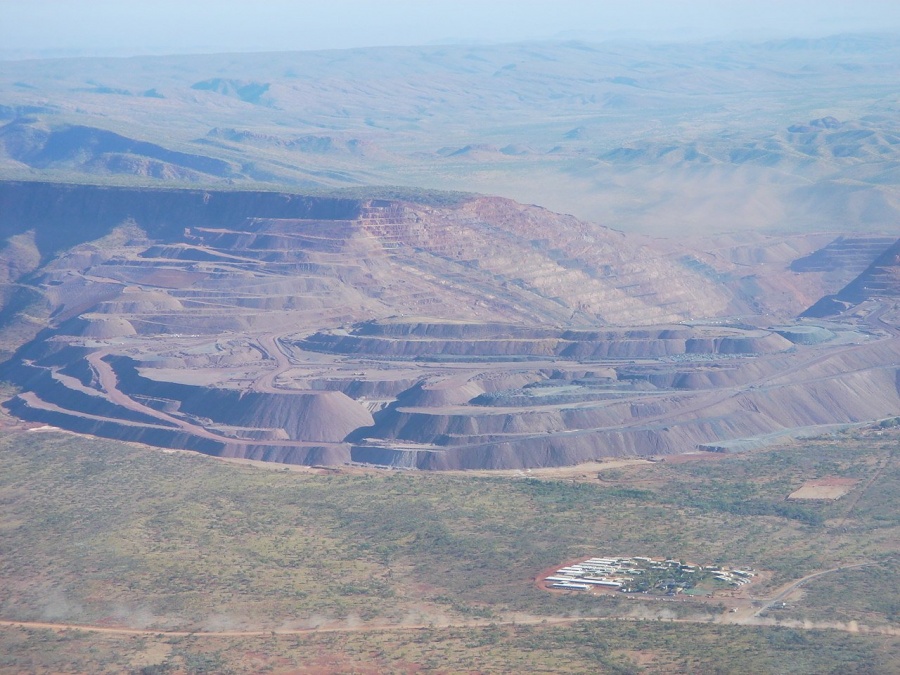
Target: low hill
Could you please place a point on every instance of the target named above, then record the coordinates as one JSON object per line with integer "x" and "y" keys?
{"x": 97, "y": 151}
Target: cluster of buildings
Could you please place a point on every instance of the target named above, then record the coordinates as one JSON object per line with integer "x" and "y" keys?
{"x": 639, "y": 574}
{"x": 731, "y": 577}
{"x": 608, "y": 572}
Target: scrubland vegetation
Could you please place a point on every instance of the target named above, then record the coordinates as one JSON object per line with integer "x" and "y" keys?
{"x": 105, "y": 533}
{"x": 588, "y": 647}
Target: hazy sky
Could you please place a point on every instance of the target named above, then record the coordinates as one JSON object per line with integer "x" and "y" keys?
{"x": 186, "y": 26}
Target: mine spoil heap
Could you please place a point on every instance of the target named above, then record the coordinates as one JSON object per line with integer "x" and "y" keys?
{"x": 470, "y": 333}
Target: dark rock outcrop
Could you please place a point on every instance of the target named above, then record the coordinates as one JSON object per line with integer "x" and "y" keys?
{"x": 880, "y": 280}
{"x": 63, "y": 216}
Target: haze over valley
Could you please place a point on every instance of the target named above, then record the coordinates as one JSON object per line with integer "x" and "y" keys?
{"x": 793, "y": 135}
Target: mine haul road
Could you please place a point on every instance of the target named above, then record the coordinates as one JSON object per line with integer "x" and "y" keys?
{"x": 268, "y": 342}
{"x": 110, "y": 384}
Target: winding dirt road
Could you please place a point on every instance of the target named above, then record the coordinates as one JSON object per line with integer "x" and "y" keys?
{"x": 793, "y": 586}
{"x": 752, "y": 618}
{"x": 362, "y": 628}
{"x": 475, "y": 623}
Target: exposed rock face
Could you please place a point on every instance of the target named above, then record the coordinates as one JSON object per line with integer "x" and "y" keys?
{"x": 482, "y": 333}
{"x": 237, "y": 261}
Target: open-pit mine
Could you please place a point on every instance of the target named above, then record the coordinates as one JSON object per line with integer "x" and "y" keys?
{"x": 431, "y": 332}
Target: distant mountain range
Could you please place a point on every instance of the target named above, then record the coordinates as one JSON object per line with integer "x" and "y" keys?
{"x": 781, "y": 135}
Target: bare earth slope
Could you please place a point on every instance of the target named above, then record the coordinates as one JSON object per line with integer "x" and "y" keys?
{"x": 463, "y": 332}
